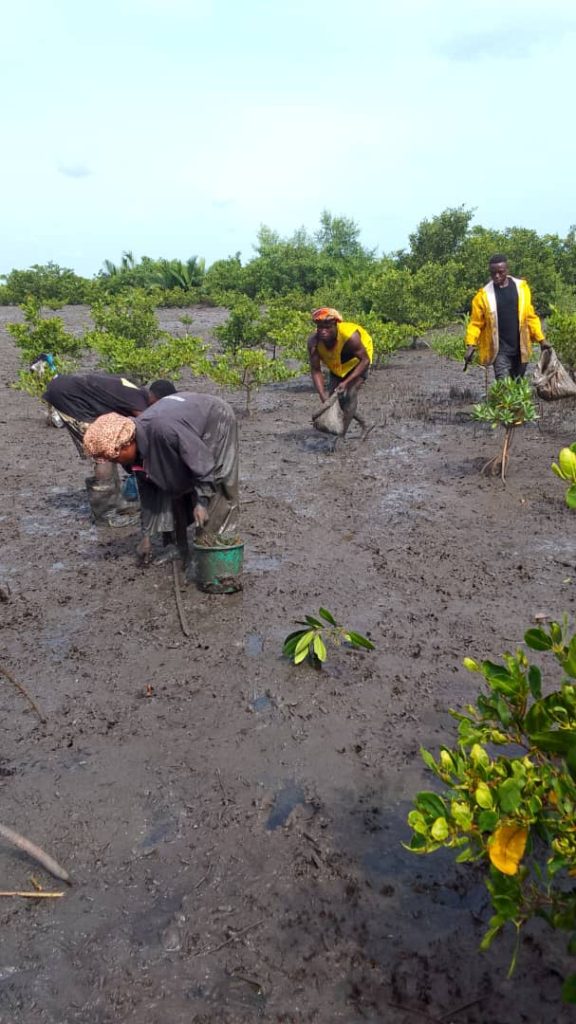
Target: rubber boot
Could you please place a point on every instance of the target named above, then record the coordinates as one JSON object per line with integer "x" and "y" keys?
{"x": 106, "y": 502}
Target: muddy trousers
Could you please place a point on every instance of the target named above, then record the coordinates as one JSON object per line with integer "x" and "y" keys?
{"x": 508, "y": 364}
{"x": 348, "y": 401}
{"x": 105, "y": 493}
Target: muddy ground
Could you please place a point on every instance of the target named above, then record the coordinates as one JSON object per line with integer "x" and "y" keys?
{"x": 233, "y": 825}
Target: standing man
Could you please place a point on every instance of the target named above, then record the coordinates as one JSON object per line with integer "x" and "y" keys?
{"x": 187, "y": 446}
{"x": 503, "y": 324}
{"x": 347, "y": 350}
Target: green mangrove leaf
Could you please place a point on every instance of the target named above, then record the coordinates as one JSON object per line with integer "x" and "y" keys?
{"x": 327, "y": 616}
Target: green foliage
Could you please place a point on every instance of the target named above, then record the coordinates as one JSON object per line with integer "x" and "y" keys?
{"x": 318, "y": 633}
{"x": 47, "y": 283}
{"x": 449, "y": 344}
{"x": 247, "y": 369}
{"x": 561, "y": 333}
{"x": 387, "y": 337}
{"x": 224, "y": 276}
{"x": 509, "y": 403}
{"x": 143, "y": 363}
{"x": 439, "y": 239}
{"x": 166, "y": 276}
{"x": 243, "y": 328}
{"x": 128, "y": 340}
{"x": 186, "y": 276}
{"x": 175, "y": 298}
{"x": 508, "y": 788}
{"x": 565, "y": 468}
{"x": 281, "y": 265}
{"x": 129, "y": 315}
{"x": 428, "y": 285}
{"x": 286, "y": 328}
{"x": 338, "y": 240}
{"x": 42, "y": 334}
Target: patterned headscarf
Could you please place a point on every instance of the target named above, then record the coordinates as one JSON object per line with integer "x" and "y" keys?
{"x": 326, "y": 313}
{"x": 107, "y": 435}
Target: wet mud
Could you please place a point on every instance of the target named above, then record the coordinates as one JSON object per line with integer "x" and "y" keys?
{"x": 233, "y": 826}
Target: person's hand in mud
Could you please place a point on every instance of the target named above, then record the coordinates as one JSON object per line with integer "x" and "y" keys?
{"x": 144, "y": 551}
{"x": 341, "y": 389}
{"x": 200, "y": 514}
{"x": 545, "y": 346}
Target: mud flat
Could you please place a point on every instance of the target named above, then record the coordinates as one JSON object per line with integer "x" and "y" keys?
{"x": 232, "y": 825}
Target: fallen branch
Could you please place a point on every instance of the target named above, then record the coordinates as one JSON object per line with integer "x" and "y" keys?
{"x": 21, "y": 690}
{"x": 232, "y": 938}
{"x": 178, "y": 596}
{"x": 35, "y": 895}
{"x": 35, "y": 852}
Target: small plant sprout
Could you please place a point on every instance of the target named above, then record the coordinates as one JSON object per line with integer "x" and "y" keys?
{"x": 318, "y": 633}
{"x": 565, "y": 468}
{"x": 509, "y": 404}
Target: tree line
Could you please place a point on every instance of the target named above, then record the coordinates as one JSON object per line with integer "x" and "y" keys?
{"x": 429, "y": 283}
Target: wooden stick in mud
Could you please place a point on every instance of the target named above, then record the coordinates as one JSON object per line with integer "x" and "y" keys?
{"x": 178, "y": 596}
{"x": 35, "y": 852}
{"x": 21, "y": 690}
{"x": 34, "y": 895}
{"x": 506, "y": 451}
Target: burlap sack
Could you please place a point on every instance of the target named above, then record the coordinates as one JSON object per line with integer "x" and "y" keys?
{"x": 330, "y": 418}
{"x": 551, "y": 379}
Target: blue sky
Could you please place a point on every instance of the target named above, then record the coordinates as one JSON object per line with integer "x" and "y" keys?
{"x": 176, "y": 127}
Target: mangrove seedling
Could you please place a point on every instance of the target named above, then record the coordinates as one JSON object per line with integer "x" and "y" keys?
{"x": 565, "y": 468}
{"x": 505, "y": 791}
{"x": 509, "y": 404}
{"x": 317, "y": 634}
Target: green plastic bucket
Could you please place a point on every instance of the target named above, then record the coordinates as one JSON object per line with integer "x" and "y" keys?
{"x": 218, "y": 570}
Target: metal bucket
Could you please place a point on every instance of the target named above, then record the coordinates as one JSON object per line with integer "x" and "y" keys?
{"x": 218, "y": 570}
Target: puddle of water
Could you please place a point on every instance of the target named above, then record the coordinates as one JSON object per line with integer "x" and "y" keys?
{"x": 163, "y": 828}
{"x": 57, "y": 566}
{"x": 253, "y": 645}
{"x": 401, "y": 499}
{"x": 262, "y": 563}
{"x": 285, "y": 801}
{"x": 232, "y": 990}
{"x": 263, "y": 703}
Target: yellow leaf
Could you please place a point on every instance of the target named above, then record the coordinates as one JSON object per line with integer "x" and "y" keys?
{"x": 319, "y": 648}
{"x": 506, "y": 848}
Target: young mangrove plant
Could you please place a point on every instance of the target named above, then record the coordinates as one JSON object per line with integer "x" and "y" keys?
{"x": 247, "y": 369}
{"x": 509, "y": 404}
{"x": 565, "y": 468}
{"x": 508, "y": 790}
{"x": 318, "y": 633}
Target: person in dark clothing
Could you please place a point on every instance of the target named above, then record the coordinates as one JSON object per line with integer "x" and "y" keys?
{"x": 187, "y": 446}
{"x": 503, "y": 323}
{"x": 79, "y": 400}
{"x": 159, "y": 389}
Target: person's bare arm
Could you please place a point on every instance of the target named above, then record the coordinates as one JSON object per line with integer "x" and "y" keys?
{"x": 316, "y": 368}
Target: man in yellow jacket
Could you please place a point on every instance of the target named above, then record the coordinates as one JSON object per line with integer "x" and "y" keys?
{"x": 346, "y": 349}
{"x": 503, "y": 324}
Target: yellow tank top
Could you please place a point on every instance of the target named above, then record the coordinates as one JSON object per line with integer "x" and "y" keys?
{"x": 332, "y": 357}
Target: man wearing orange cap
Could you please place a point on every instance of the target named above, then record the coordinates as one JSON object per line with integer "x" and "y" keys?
{"x": 346, "y": 349}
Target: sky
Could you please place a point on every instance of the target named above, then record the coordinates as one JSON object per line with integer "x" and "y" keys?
{"x": 176, "y": 128}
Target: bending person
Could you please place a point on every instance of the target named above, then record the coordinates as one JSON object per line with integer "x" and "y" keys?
{"x": 187, "y": 446}
{"x": 79, "y": 399}
{"x": 346, "y": 349}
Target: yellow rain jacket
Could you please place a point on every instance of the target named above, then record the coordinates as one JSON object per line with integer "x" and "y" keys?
{"x": 483, "y": 327}
{"x": 332, "y": 357}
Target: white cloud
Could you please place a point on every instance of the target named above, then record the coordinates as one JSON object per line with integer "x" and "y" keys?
{"x": 74, "y": 170}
